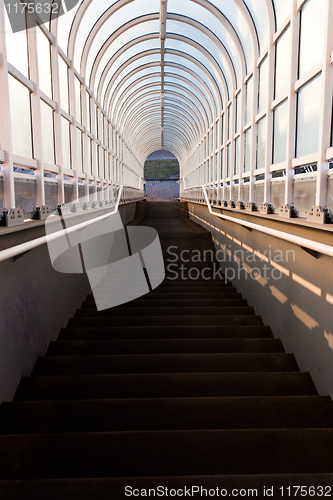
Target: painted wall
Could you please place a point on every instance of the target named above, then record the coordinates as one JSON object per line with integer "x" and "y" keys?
{"x": 290, "y": 289}
{"x": 35, "y": 303}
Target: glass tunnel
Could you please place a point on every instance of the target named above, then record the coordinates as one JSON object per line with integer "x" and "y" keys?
{"x": 239, "y": 91}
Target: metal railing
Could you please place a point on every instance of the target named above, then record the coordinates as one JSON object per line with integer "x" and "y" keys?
{"x": 291, "y": 238}
{"x": 123, "y": 197}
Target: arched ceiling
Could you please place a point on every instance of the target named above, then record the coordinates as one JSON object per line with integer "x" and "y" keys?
{"x": 163, "y": 70}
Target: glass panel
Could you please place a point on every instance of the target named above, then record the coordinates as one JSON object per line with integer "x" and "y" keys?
{"x": 282, "y": 80}
{"x": 282, "y": 9}
{"x": 238, "y": 123}
{"x": 25, "y": 193}
{"x": 229, "y": 122}
{"x": 66, "y": 144}
{"x": 237, "y": 155}
{"x": 308, "y": 117}
{"x": 88, "y": 112}
{"x": 236, "y": 192}
{"x": 260, "y": 18}
{"x": 64, "y": 26}
{"x": 312, "y": 35}
{"x": 329, "y": 193}
{"x": 277, "y": 193}
{"x": 228, "y": 160}
{"x": 305, "y": 194}
{"x": 20, "y": 115}
{"x": 263, "y": 85}
{"x": 63, "y": 82}
{"x": 79, "y": 161}
{"x": 246, "y": 192}
{"x": 247, "y": 152}
{"x": 81, "y": 190}
{"x": 259, "y": 193}
{"x": 89, "y": 166}
{"x": 261, "y": 143}
{"x": 44, "y": 63}
{"x": 17, "y": 48}
{"x": 1, "y": 193}
{"x": 47, "y": 133}
{"x": 280, "y": 133}
{"x": 78, "y": 100}
{"x": 51, "y": 194}
{"x": 69, "y": 193}
{"x": 249, "y": 100}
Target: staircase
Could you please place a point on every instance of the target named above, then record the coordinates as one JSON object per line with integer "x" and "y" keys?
{"x": 182, "y": 387}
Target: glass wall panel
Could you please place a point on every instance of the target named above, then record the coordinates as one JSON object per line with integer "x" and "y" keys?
{"x": 277, "y": 194}
{"x": 238, "y": 123}
{"x": 17, "y": 48}
{"x": 282, "y": 80}
{"x": 20, "y": 116}
{"x": 228, "y": 160}
{"x": 263, "y": 85}
{"x": 1, "y": 193}
{"x": 47, "y": 133}
{"x": 237, "y": 156}
{"x": 66, "y": 144}
{"x": 44, "y": 63}
{"x": 77, "y": 90}
{"x": 63, "y": 83}
{"x": 280, "y": 133}
{"x": 249, "y": 100}
{"x": 282, "y": 10}
{"x": 79, "y": 161}
{"x": 51, "y": 194}
{"x": 304, "y": 194}
{"x": 69, "y": 193}
{"x": 260, "y": 17}
{"x": 261, "y": 143}
{"x": 248, "y": 150}
{"x": 312, "y": 35}
{"x": 25, "y": 193}
{"x": 229, "y": 122}
{"x": 246, "y": 192}
{"x": 88, "y": 112}
{"x": 89, "y": 156}
{"x": 308, "y": 117}
{"x": 259, "y": 191}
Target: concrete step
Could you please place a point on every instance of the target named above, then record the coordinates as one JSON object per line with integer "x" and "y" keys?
{"x": 267, "y": 412}
{"x": 162, "y": 385}
{"x": 166, "y": 453}
{"x": 249, "y": 486}
{"x": 164, "y": 346}
{"x": 177, "y": 302}
{"x": 165, "y": 332}
{"x": 152, "y": 296}
{"x": 164, "y": 363}
{"x": 168, "y": 320}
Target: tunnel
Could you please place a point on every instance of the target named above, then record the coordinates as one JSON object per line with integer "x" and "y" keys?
{"x": 166, "y": 246}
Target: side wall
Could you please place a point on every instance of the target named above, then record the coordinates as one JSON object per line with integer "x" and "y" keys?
{"x": 35, "y": 303}
{"x": 290, "y": 289}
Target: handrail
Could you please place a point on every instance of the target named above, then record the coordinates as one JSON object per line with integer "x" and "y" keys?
{"x": 291, "y": 238}
{"x": 29, "y": 245}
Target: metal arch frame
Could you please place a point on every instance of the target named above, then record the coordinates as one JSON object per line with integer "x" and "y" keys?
{"x": 176, "y": 119}
{"x": 131, "y": 125}
{"x": 140, "y": 119}
{"x": 174, "y": 135}
{"x": 137, "y": 117}
{"x": 156, "y": 125}
{"x": 182, "y": 108}
{"x": 202, "y": 83}
{"x": 171, "y": 36}
{"x": 142, "y": 79}
{"x": 124, "y": 48}
{"x": 177, "y": 53}
{"x": 126, "y": 103}
{"x": 155, "y": 144}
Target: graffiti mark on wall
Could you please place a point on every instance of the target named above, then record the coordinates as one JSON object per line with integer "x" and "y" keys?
{"x": 20, "y": 316}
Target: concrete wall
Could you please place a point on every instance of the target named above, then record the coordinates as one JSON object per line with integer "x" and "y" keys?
{"x": 290, "y": 289}
{"x": 35, "y": 303}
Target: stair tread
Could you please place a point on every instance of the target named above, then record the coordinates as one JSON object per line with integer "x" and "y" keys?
{"x": 166, "y": 413}
{"x": 166, "y": 346}
{"x": 159, "y": 385}
{"x": 185, "y": 452}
